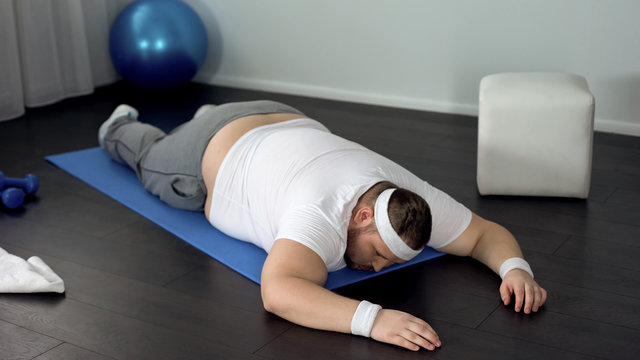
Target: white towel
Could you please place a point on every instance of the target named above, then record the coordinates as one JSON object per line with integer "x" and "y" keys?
{"x": 33, "y": 275}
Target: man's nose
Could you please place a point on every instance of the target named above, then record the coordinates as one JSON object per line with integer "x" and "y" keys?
{"x": 380, "y": 264}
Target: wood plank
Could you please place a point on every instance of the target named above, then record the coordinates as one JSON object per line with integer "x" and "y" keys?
{"x": 513, "y": 211}
{"x": 591, "y": 304}
{"x": 566, "y": 332}
{"x": 19, "y": 343}
{"x": 458, "y": 342}
{"x": 623, "y": 141}
{"x": 626, "y": 213}
{"x": 537, "y": 240}
{"x": 601, "y": 252}
{"x": 145, "y": 234}
{"x": 420, "y": 291}
{"x": 67, "y": 211}
{"x": 585, "y": 274}
{"x": 128, "y": 260}
{"x": 108, "y": 333}
{"x": 216, "y": 282}
{"x": 458, "y": 274}
{"x": 625, "y": 197}
{"x": 70, "y": 352}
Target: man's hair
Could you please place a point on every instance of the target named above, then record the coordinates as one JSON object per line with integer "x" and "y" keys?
{"x": 409, "y": 213}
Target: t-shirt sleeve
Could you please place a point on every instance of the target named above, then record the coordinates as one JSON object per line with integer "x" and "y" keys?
{"x": 308, "y": 226}
{"x": 449, "y": 217}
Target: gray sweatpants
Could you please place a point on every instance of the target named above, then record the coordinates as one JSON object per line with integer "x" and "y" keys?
{"x": 169, "y": 166}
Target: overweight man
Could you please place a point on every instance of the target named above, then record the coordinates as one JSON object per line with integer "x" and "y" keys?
{"x": 265, "y": 173}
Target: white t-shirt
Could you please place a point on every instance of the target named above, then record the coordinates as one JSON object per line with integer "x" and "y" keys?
{"x": 296, "y": 180}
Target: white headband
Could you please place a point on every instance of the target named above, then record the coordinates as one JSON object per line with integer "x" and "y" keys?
{"x": 398, "y": 247}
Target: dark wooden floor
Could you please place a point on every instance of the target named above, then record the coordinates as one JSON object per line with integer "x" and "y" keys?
{"x": 135, "y": 291}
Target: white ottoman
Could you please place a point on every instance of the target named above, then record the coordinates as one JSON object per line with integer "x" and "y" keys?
{"x": 535, "y": 134}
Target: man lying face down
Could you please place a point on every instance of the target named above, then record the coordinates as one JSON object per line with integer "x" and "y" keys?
{"x": 265, "y": 173}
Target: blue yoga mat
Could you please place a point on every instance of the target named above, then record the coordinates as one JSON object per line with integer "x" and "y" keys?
{"x": 95, "y": 168}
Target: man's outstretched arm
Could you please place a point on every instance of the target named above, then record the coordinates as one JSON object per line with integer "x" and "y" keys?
{"x": 492, "y": 245}
{"x": 292, "y": 288}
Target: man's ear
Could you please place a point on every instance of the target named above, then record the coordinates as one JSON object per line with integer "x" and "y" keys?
{"x": 364, "y": 215}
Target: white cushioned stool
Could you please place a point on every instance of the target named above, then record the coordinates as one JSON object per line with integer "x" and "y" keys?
{"x": 535, "y": 135}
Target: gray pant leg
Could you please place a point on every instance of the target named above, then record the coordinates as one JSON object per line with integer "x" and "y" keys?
{"x": 163, "y": 164}
{"x": 172, "y": 168}
{"x": 128, "y": 140}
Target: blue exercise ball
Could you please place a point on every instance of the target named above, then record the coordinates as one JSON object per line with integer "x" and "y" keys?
{"x": 158, "y": 43}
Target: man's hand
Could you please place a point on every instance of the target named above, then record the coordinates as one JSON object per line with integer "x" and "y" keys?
{"x": 527, "y": 291}
{"x": 402, "y": 329}
{"x": 492, "y": 244}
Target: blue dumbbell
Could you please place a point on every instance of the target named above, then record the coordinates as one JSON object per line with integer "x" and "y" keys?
{"x": 12, "y": 197}
{"x": 29, "y": 184}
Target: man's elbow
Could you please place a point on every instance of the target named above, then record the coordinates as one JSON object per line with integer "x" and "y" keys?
{"x": 271, "y": 298}
{"x": 268, "y": 304}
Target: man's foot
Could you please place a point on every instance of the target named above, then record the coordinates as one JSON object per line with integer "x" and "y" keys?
{"x": 202, "y": 109}
{"x": 121, "y": 110}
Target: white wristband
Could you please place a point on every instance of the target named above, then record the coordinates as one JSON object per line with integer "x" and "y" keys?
{"x": 363, "y": 318}
{"x": 514, "y": 263}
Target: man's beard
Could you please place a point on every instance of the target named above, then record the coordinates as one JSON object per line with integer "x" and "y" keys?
{"x": 352, "y": 234}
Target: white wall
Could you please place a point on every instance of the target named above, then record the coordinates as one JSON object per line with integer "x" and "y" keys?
{"x": 425, "y": 54}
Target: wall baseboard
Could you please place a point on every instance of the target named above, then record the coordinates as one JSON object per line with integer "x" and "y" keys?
{"x": 602, "y": 125}
{"x": 339, "y": 94}
{"x": 616, "y": 127}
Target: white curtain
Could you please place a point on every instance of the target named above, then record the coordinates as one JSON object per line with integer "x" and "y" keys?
{"x": 53, "y": 49}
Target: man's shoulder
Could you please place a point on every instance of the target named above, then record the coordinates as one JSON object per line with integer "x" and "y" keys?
{"x": 309, "y": 225}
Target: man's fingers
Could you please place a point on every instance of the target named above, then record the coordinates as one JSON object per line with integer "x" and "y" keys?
{"x": 423, "y": 336}
{"x": 417, "y": 339}
{"x": 519, "y": 297}
{"x": 426, "y": 332}
{"x": 529, "y": 298}
{"x": 505, "y": 294}
{"x": 541, "y": 298}
{"x": 421, "y": 326}
{"x": 418, "y": 334}
{"x": 538, "y": 302}
{"x": 401, "y": 341}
